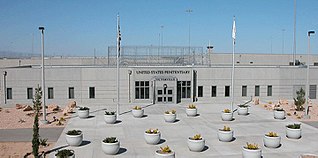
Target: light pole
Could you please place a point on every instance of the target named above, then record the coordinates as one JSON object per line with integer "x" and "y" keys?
{"x": 209, "y": 48}
{"x": 283, "y": 40}
{"x": 190, "y": 11}
{"x": 44, "y": 121}
{"x": 307, "y": 83}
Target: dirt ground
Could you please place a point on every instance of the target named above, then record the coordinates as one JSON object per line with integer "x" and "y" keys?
{"x": 289, "y": 107}
{"x": 20, "y": 149}
{"x": 13, "y": 118}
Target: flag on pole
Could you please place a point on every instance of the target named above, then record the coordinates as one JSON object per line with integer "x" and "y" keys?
{"x": 234, "y": 30}
{"x": 118, "y": 36}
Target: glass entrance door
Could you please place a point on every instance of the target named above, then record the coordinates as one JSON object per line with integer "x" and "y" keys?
{"x": 165, "y": 95}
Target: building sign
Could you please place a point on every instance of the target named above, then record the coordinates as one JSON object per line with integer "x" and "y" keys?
{"x": 163, "y": 72}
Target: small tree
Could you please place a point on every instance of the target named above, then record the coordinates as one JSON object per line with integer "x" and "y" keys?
{"x": 300, "y": 100}
{"x": 36, "y": 107}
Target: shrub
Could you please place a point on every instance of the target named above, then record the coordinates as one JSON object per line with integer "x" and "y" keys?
{"x": 227, "y": 111}
{"x": 74, "y": 132}
{"x": 271, "y": 134}
{"x": 288, "y": 114}
{"x": 251, "y": 146}
{"x": 137, "y": 108}
{"x": 300, "y": 100}
{"x": 36, "y": 106}
{"x": 83, "y": 108}
{"x": 152, "y": 131}
{"x": 64, "y": 153}
{"x": 110, "y": 113}
{"x": 43, "y": 142}
{"x": 226, "y": 128}
{"x": 192, "y": 106}
{"x": 196, "y": 137}
{"x": 293, "y": 126}
{"x": 171, "y": 112}
{"x": 165, "y": 150}
{"x": 110, "y": 140}
{"x": 270, "y": 102}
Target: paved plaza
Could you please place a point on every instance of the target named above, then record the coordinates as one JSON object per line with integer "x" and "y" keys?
{"x": 130, "y": 133}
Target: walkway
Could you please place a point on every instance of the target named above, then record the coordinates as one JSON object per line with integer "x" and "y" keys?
{"x": 26, "y": 134}
{"x": 129, "y": 131}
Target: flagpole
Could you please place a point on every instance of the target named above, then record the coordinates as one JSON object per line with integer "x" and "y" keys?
{"x": 118, "y": 49}
{"x": 233, "y": 58}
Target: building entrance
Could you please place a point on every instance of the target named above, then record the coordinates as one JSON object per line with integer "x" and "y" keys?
{"x": 165, "y": 94}
{"x": 165, "y": 90}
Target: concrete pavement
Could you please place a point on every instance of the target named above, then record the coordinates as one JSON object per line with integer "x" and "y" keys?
{"x": 130, "y": 130}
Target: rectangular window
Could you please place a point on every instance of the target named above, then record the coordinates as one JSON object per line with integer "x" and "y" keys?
{"x": 9, "y": 93}
{"x": 227, "y": 91}
{"x": 257, "y": 90}
{"x": 185, "y": 89}
{"x": 142, "y": 90}
{"x": 200, "y": 91}
{"x": 269, "y": 90}
{"x": 71, "y": 93}
{"x": 29, "y": 93}
{"x": 91, "y": 92}
{"x": 244, "y": 91}
{"x": 312, "y": 91}
{"x": 50, "y": 94}
{"x": 213, "y": 91}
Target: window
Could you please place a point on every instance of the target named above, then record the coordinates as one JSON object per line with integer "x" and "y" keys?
{"x": 244, "y": 91}
{"x": 9, "y": 93}
{"x": 312, "y": 91}
{"x": 185, "y": 88}
{"x": 227, "y": 91}
{"x": 213, "y": 91}
{"x": 29, "y": 93}
{"x": 91, "y": 92}
{"x": 50, "y": 94}
{"x": 269, "y": 90}
{"x": 142, "y": 90}
{"x": 257, "y": 90}
{"x": 71, "y": 93}
{"x": 200, "y": 91}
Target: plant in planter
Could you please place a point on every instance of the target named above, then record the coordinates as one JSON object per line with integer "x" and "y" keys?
{"x": 137, "y": 111}
{"x": 252, "y": 151}
{"x": 170, "y": 116}
{"x": 300, "y": 100}
{"x": 272, "y": 140}
{"x": 110, "y": 117}
{"x": 110, "y": 145}
{"x": 279, "y": 113}
{"x": 152, "y": 136}
{"x": 293, "y": 131}
{"x": 65, "y": 153}
{"x": 83, "y": 112}
{"x": 191, "y": 110}
{"x": 227, "y": 115}
{"x": 225, "y": 134}
{"x": 242, "y": 109}
{"x": 165, "y": 152}
{"x": 74, "y": 137}
{"x": 196, "y": 143}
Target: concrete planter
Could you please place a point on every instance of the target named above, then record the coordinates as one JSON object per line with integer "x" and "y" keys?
{"x": 164, "y": 155}
{"x": 279, "y": 114}
{"x": 152, "y": 139}
{"x": 242, "y": 110}
{"x": 271, "y": 142}
{"x": 110, "y": 119}
{"x": 293, "y": 133}
{"x": 74, "y": 140}
{"x": 170, "y": 117}
{"x": 83, "y": 113}
{"x": 225, "y": 136}
{"x": 72, "y": 156}
{"x": 110, "y": 148}
{"x": 191, "y": 112}
{"x": 196, "y": 145}
{"x": 227, "y": 116}
{"x": 249, "y": 153}
{"x": 137, "y": 113}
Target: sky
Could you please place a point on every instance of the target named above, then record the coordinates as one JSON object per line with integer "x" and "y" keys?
{"x": 77, "y": 27}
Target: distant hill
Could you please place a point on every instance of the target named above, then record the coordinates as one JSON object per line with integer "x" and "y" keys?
{"x": 9, "y": 54}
